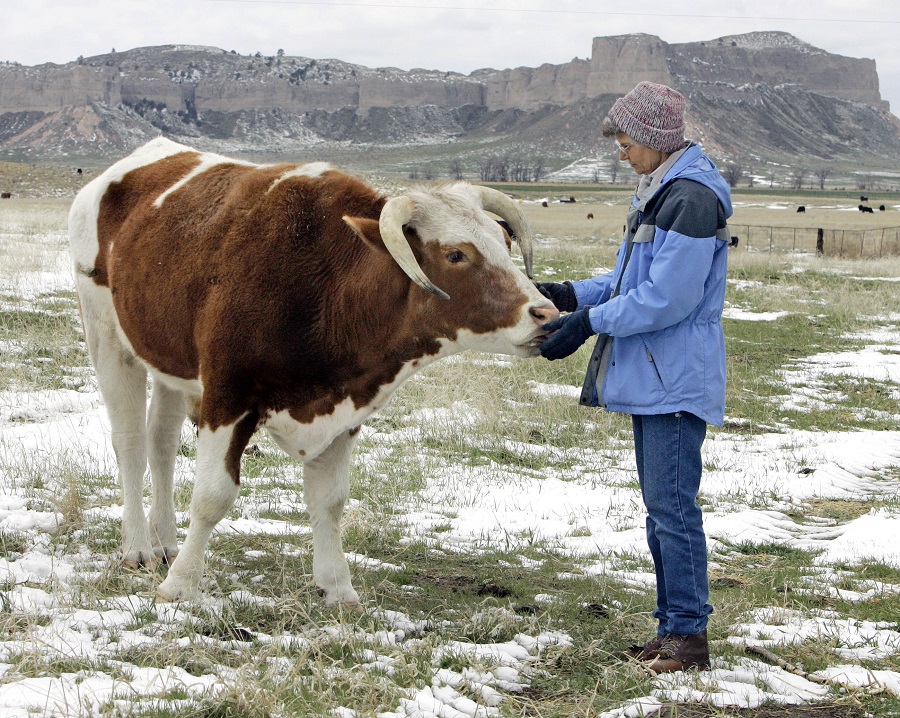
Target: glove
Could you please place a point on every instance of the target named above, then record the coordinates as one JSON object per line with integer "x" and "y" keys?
{"x": 570, "y": 332}
{"x": 562, "y": 294}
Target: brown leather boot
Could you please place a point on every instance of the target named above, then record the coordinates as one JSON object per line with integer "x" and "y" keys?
{"x": 680, "y": 653}
{"x": 645, "y": 652}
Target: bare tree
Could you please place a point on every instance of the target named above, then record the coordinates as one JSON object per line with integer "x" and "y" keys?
{"x": 732, "y": 173}
{"x": 538, "y": 169}
{"x": 456, "y": 169}
{"x": 519, "y": 171}
{"x": 486, "y": 169}
{"x": 614, "y": 168}
{"x": 821, "y": 175}
{"x": 798, "y": 176}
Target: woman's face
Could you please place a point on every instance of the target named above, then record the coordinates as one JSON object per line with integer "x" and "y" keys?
{"x": 642, "y": 159}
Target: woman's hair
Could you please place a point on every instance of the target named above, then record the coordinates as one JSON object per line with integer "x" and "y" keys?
{"x": 608, "y": 128}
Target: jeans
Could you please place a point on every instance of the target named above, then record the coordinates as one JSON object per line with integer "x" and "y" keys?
{"x": 667, "y": 448}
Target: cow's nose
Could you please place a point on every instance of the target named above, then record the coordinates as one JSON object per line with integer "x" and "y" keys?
{"x": 543, "y": 313}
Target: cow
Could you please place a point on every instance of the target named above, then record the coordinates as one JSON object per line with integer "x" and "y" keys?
{"x": 290, "y": 298}
{"x": 863, "y": 208}
{"x": 801, "y": 208}
{"x": 863, "y": 199}
{"x": 5, "y": 195}
{"x": 881, "y": 208}
{"x": 590, "y": 215}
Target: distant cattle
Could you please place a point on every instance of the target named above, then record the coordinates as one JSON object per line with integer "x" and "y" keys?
{"x": 863, "y": 208}
{"x": 290, "y": 298}
{"x": 78, "y": 171}
{"x": 5, "y": 195}
{"x": 734, "y": 241}
{"x": 881, "y": 208}
{"x": 544, "y": 204}
{"x": 801, "y": 208}
{"x": 590, "y": 215}
{"x": 863, "y": 199}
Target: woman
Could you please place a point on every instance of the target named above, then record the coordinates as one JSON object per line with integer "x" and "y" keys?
{"x": 660, "y": 356}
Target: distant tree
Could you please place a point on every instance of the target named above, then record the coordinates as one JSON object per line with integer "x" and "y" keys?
{"x": 501, "y": 169}
{"x": 456, "y": 169}
{"x": 486, "y": 169}
{"x": 822, "y": 174}
{"x": 280, "y": 52}
{"x": 614, "y": 168}
{"x": 732, "y": 173}
{"x": 539, "y": 169}
{"x": 595, "y": 175}
{"x": 519, "y": 171}
{"x": 798, "y": 176}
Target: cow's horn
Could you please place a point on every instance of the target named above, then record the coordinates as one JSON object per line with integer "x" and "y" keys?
{"x": 500, "y": 204}
{"x": 396, "y": 213}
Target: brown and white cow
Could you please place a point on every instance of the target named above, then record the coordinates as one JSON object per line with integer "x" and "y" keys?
{"x": 293, "y": 298}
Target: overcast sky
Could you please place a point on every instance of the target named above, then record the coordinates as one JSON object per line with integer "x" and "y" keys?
{"x": 458, "y": 35}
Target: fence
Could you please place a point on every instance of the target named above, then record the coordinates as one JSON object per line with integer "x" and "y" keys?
{"x": 850, "y": 243}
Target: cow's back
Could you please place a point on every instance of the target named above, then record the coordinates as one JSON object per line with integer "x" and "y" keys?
{"x": 190, "y": 245}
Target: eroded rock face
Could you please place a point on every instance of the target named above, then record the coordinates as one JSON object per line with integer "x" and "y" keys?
{"x": 119, "y": 100}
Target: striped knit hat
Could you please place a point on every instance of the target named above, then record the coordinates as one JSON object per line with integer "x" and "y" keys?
{"x": 653, "y": 115}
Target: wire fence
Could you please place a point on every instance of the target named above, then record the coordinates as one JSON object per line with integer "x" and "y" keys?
{"x": 846, "y": 243}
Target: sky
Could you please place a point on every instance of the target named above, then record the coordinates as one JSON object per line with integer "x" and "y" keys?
{"x": 450, "y": 35}
{"x": 752, "y": 493}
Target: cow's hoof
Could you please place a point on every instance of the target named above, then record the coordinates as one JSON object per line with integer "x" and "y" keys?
{"x": 166, "y": 554}
{"x": 134, "y": 560}
{"x": 346, "y": 598}
{"x": 170, "y": 592}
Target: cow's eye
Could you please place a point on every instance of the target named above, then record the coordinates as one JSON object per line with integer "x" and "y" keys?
{"x": 456, "y": 256}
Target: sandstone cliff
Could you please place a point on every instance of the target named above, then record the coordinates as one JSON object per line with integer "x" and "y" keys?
{"x": 800, "y": 99}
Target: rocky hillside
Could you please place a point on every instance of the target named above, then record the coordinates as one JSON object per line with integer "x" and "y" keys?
{"x": 760, "y": 95}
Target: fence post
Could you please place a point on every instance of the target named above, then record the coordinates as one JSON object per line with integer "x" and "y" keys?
{"x": 820, "y": 242}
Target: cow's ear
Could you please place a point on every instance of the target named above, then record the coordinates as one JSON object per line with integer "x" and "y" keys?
{"x": 367, "y": 230}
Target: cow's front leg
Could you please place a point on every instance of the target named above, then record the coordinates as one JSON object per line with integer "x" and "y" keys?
{"x": 326, "y": 482}
{"x": 216, "y": 487}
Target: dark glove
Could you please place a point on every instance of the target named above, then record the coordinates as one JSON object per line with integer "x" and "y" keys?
{"x": 562, "y": 294}
{"x": 571, "y": 331}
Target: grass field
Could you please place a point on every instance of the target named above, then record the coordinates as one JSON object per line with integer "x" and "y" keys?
{"x": 495, "y": 528}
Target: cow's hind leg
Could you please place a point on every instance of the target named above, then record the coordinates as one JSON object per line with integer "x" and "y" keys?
{"x": 326, "y": 481}
{"x": 216, "y": 486}
{"x": 122, "y": 380}
{"x": 164, "y": 422}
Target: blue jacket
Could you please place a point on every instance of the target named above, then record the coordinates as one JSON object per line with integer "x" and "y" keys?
{"x": 667, "y": 349}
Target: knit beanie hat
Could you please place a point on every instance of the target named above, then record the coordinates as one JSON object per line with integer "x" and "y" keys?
{"x": 653, "y": 115}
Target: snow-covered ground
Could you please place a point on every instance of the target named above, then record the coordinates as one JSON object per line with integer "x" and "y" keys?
{"x": 787, "y": 468}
